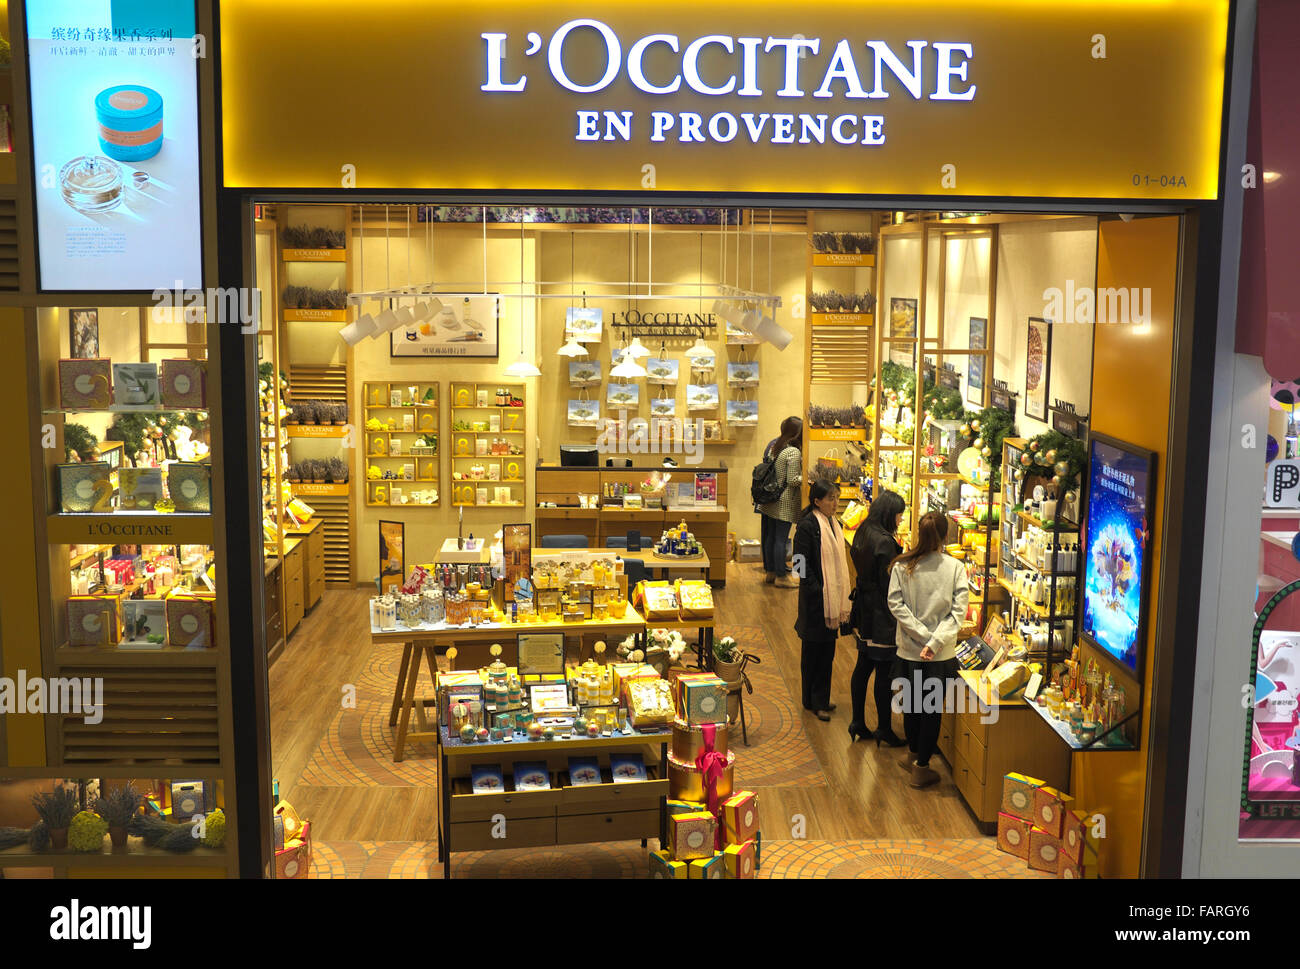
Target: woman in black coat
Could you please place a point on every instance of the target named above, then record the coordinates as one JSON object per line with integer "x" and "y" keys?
{"x": 817, "y": 653}
{"x": 874, "y": 550}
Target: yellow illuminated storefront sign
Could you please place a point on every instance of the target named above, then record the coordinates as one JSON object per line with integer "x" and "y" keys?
{"x": 1067, "y": 99}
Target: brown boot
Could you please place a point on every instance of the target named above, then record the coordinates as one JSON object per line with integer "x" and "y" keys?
{"x": 923, "y": 776}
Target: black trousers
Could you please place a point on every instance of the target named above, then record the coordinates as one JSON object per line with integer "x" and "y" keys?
{"x": 883, "y": 692}
{"x": 816, "y": 659}
{"x": 924, "y": 697}
{"x": 774, "y": 534}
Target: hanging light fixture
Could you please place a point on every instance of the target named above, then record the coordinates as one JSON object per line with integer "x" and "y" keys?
{"x": 522, "y": 367}
{"x": 572, "y": 349}
{"x": 637, "y": 350}
{"x": 700, "y": 349}
{"x": 628, "y": 368}
{"x": 360, "y": 328}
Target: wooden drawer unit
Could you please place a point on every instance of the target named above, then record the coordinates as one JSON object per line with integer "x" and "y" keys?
{"x": 294, "y": 592}
{"x": 468, "y": 806}
{"x": 563, "y": 485}
{"x": 981, "y": 754}
{"x": 271, "y": 604}
{"x": 577, "y": 829}
{"x": 519, "y": 833}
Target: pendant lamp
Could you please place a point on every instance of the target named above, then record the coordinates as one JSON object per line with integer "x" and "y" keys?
{"x": 572, "y": 349}
{"x": 700, "y": 349}
{"x": 637, "y": 350}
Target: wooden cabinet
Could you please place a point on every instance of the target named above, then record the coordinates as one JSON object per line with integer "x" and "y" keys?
{"x": 294, "y": 552}
{"x": 274, "y": 621}
{"x": 982, "y": 748}
{"x": 312, "y": 536}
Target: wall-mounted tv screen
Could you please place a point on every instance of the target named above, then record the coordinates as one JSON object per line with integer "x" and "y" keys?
{"x": 1117, "y": 533}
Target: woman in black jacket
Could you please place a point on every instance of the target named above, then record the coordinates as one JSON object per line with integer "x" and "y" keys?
{"x": 874, "y": 548}
{"x": 824, "y": 587}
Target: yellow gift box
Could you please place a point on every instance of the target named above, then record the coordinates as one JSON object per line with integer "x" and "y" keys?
{"x": 1018, "y": 795}
{"x": 709, "y": 868}
{"x": 740, "y": 817}
{"x": 740, "y": 860}
{"x": 662, "y": 865}
{"x": 683, "y": 807}
{"x": 691, "y": 836}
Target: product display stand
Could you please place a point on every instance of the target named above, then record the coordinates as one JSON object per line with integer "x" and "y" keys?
{"x": 488, "y": 445}
{"x": 418, "y": 401}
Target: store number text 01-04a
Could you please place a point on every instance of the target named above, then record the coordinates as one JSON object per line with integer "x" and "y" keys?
{"x": 1164, "y": 181}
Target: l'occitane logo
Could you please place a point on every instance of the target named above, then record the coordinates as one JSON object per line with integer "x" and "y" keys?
{"x": 128, "y": 100}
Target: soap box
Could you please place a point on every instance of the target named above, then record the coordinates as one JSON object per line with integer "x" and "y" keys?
{"x": 1076, "y": 834}
{"x": 1044, "y": 850}
{"x": 701, "y": 698}
{"x": 135, "y": 386}
{"x": 691, "y": 836}
{"x": 1085, "y": 866}
{"x": 92, "y": 621}
{"x": 740, "y": 817}
{"x": 709, "y": 869}
{"x": 184, "y": 383}
{"x": 85, "y": 383}
{"x": 1013, "y": 835}
{"x": 1018, "y": 795}
{"x": 1049, "y": 807}
{"x": 139, "y": 489}
{"x": 741, "y": 862}
{"x": 190, "y": 486}
{"x": 663, "y": 866}
{"x": 189, "y": 621}
{"x": 85, "y": 487}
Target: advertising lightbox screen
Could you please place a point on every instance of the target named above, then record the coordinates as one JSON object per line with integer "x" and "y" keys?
{"x": 1117, "y": 533}
{"x": 115, "y": 143}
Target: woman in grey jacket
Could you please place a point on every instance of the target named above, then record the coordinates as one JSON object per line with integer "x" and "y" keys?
{"x": 778, "y": 516}
{"x": 928, "y": 593}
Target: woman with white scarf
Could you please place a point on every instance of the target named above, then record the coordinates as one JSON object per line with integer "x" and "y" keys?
{"x": 821, "y": 562}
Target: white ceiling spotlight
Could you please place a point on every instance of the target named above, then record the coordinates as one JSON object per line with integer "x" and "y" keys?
{"x": 360, "y": 328}
{"x": 771, "y": 331}
{"x": 572, "y": 349}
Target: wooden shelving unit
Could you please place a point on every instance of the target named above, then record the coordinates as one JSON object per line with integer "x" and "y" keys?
{"x": 420, "y": 402}
{"x": 475, "y": 405}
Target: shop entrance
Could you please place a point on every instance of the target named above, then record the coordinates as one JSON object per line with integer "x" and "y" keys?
{"x": 552, "y": 380}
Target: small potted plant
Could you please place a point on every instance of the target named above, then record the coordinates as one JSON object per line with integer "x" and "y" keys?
{"x": 336, "y": 470}
{"x": 118, "y": 808}
{"x": 295, "y": 414}
{"x": 728, "y": 658}
{"x": 317, "y": 471}
{"x": 56, "y": 808}
{"x": 339, "y": 413}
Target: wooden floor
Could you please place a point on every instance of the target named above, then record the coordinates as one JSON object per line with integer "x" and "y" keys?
{"x": 333, "y": 760}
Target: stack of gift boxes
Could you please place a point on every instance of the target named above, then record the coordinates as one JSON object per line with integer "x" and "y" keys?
{"x": 1040, "y": 824}
{"x": 713, "y": 830}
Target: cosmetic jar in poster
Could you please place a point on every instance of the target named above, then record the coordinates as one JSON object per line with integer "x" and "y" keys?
{"x": 130, "y": 120}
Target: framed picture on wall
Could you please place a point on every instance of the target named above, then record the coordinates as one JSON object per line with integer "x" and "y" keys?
{"x": 392, "y": 558}
{"x": 517, "y": 552}
{"x": 1038, "y": 367}
{"x": 979, "y": 332}
{"x": 902, "y": 326}
{"x": 1117, "y": 561}
{"x": 468, "y": 326}
{"x": 83, "y": 333}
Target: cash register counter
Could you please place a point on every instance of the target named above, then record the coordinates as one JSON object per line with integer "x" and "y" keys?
{"x": 563, "y": 488}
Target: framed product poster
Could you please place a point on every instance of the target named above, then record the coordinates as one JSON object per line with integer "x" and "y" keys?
{"x": 541, "y": 653}
{"x": 83, "y": 333}
{"x": 392, "y": 561}
{"x": 902, "y": 326}
{"x": 468, "y": 326}
{"x": 979, "y": 335}
{"x": 1038, "y": 367}
{"x": 583, "y": 324}
{"x": 517, "y": 549}
{"x": 1116, "y": 566}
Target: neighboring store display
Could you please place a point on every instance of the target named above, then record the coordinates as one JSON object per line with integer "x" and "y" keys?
{"x": 115, "y": 117}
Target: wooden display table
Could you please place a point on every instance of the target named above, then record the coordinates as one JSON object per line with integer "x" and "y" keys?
{"x": 563, "y": 815}
{"x": 472, "y": 642}
{"x": 981, "y": 754}
{"x": 669, "y": 564}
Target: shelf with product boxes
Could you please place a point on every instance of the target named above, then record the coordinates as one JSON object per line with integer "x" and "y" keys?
{"x": 488, "y": 444}
{"x": 568, "y": 757}
{"x": 402, "y": 444}
{"x": 592, "y": 502}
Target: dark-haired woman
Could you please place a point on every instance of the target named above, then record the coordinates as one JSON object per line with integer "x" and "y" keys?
{"x": 928, "y": 593}
{"x": 823, "y": 570}
{"x": 777, "y": 516}
{"x": 873, "y": 552}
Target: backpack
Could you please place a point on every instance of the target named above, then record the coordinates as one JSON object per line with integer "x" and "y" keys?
{"x": 764, "y": 487}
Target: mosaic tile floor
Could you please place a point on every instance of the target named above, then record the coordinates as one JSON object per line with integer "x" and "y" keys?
{"x": 977, "y": 858}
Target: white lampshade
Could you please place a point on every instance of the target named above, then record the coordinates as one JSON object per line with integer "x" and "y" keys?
{"x": 628, "y": 368}
{"x": 733, "y": 313}
{"x": 356, "y": 331}
{"x": 719, "y": 308}
{"x": 420, "y": 311}
{"x": 386, "y": 321}
{"x": 636, "y": 351}
{"x": 572, "y": 349}
{"x": 701, "y": 349}
{"x": 750, "y": 320}
{"x": 522, "y": 368}
{"x": 771, "y": 331}
{"x": 404, "y": 316}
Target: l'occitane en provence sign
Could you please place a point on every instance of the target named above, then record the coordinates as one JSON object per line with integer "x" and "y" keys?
{"x": 1070, "y": 99}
